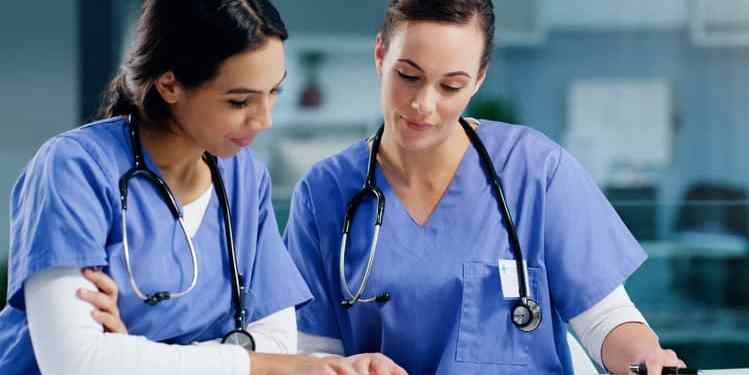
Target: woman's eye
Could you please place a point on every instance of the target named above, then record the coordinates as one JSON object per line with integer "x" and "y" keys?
{"x": 238, "y": 103}
{"x": 407, "y": 77}
{"x": 449, "y": 88}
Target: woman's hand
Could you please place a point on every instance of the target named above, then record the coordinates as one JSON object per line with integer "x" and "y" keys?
{"x": 659, "y": 358}
{"x": 104, "y": 301}
{"x": 375, "y": 364}
{"x": 361, "y": 364}
{"x": 635, "y": 343}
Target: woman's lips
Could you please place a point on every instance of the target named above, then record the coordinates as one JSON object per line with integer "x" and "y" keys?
{"x": 242, "y": 142}
{"x": 417, "y": 125}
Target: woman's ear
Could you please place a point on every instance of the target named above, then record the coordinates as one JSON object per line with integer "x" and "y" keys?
{"x": 168, "y": 87}
{"x": 480, "y": 80}
{"x": 379, "y": 53}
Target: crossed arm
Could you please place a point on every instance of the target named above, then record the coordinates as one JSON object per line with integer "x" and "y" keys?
{"x": 68, "y": 338}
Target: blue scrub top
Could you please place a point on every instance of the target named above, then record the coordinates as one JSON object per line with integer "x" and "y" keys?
{"x": 65, "y": 211}
{"x": 447, "y": 314}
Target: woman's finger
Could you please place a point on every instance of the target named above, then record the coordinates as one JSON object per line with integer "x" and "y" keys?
{"x": 343, "y": 367}
{"x": 670, "y": 358}
{"x": 99, "y": 300}
{"x": 109, "y": 322}
{"x": 361, "y": 366}
{"x": 380, "y": 367}
{"x": 654, "y": 365}
{"x": 102, "y": 282}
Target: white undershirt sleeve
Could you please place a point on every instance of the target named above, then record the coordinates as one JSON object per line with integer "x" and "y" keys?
{"x": 275, "y": 333}
{"x": 594, "y": 324}
{"x": 320, "y": 346}
{"x": 67, "y": 340}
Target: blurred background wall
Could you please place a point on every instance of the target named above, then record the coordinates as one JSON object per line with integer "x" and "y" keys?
{"x": 39, "y": 86}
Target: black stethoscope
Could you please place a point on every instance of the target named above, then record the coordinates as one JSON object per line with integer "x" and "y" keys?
{"x": 526, "y": 314}
{"x": 237, "y": 336}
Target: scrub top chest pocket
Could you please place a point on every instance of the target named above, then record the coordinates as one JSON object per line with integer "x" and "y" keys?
{"x": 486, "y": 333}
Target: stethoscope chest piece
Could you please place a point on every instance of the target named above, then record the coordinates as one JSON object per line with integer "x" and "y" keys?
{"x": 526, "y": 315}
{"x": 240, "y": 337}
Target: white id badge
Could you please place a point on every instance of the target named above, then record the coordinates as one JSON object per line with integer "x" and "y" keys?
{"x": 508, "y": 278}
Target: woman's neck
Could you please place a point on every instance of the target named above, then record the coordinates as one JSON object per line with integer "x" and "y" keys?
{"x": 179, "y": 160}
{"x": 432, "y": 168}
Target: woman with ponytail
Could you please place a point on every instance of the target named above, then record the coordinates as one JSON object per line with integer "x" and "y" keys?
{"x": 163, "y": 206}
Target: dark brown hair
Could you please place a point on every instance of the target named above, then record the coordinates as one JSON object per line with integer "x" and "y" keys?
{"x": 190, "y": 38}
{"x": 448, "y": 11}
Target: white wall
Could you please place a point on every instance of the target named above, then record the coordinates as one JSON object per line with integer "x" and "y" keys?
{"x": 38, "y": 85}
{"x": 331, "y": 16}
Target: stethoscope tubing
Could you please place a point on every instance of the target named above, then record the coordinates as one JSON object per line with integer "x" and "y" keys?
{"x": 496, "y": 183}
{"x": 154, "y": 298}
{"x": 351, "y": 298}
{"x": 140, "y": 168}
{"x": 369, "y": 188}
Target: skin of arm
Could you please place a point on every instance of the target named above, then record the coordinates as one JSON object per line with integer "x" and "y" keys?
{"x": 634, "y": 343}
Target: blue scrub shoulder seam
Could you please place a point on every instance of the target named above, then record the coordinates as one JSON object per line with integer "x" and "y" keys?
{"x": 90, "y": 153}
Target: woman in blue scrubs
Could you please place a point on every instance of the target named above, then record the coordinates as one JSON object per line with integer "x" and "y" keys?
{"x": 197, "y": 86}
{"x": 445, "y": 299}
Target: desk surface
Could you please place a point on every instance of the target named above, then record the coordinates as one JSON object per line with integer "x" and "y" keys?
{"x": 736, "y": 371}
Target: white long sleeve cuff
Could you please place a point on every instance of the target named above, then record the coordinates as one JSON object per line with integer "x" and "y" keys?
{"x": 594, "y": 324}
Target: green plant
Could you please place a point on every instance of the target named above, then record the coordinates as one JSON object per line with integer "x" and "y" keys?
{"x": 493, "y": 108}
{"x": 311, "y": 61}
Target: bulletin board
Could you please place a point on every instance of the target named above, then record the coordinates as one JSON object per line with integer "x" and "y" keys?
{"x": 620, "y": 130}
